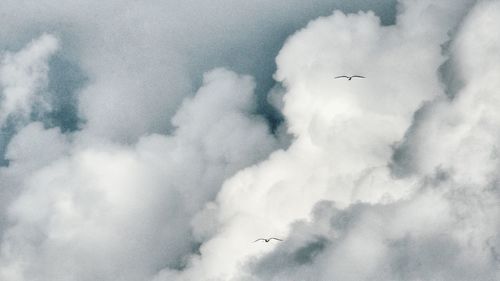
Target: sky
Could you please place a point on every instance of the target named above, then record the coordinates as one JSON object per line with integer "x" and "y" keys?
{"x": 157, "y": 140}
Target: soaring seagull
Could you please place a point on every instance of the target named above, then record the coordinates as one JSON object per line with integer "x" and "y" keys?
{"x": 350, "y": 77}
{"x": 268, "y": 239}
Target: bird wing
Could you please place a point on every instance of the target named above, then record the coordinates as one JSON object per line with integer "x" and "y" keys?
{"x": 359, "y": 76}
{"x": 275, "y": 239}
{"x": 343, "y": 76}
{"x": 259, "y": 239}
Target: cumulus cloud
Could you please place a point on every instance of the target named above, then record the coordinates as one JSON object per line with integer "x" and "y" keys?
{"x": 142, "y": 59}
{"x": 129, "y": 207}
{"x": 23, "y": 76}
{"x": 420, "y": 227}
{"x": 169, "y": 176}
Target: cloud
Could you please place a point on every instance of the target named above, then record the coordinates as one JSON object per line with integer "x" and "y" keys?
{"x": 23, "y": 76}
{"x": 392, "y": 177}
{"x": 418, "y": 239}
{"x": 407, "y": 228}
{"x": 24, "y": 86}
{"x": 131, "y": 71}
{"x": 141, "y": 59}
{"x": 109, "y": 211}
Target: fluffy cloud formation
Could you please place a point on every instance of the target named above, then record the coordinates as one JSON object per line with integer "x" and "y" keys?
{"x": 437, "y": 222}
{"x": 23, "y": 75}
{"x": 112, "y": 212}
{"x": 392, "y": 177}
{"x": 142, "y": 59}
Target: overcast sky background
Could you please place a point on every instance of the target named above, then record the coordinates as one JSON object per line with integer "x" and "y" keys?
{"x": 156, "y": 140}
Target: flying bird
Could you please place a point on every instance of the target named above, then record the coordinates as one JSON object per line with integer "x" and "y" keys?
{"x": 268, "y": 239}
{"x": 350, "y": 77}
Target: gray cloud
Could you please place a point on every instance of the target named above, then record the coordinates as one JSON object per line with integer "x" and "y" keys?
{"x": 386, "y": 242}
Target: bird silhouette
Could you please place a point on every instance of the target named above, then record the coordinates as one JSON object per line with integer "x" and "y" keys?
{"x": 267, "y": 239}
{"x": 350, "y": 77}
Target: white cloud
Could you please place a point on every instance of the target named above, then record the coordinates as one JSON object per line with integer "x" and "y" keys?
{"x": 109, "y": 212}
{"x": 142, "y": 59}
{"x": 413, "y": 228}
{"x": 22, "y": 76}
